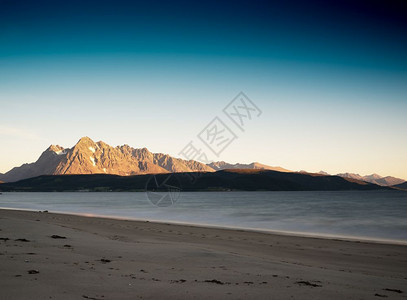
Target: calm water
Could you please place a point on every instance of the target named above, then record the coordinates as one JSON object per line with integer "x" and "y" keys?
{"x": 370, "y": 214}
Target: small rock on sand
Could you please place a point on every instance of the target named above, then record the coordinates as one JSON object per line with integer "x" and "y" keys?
{"x": 55, "y": 236}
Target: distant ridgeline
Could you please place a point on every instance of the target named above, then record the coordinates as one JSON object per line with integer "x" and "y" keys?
{"x": 87, "y": 157}
{"x": 224, "y": 180}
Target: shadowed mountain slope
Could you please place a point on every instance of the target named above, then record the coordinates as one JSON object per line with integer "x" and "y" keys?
{"x": 247, "y": 180}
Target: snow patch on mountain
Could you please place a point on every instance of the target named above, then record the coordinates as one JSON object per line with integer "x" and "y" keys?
{"x": 60, "y": 152}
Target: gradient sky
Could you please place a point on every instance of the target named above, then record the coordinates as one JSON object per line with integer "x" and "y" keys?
{"x": 331, "y": 79}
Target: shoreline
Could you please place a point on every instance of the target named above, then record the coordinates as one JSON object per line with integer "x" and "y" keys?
{"x": 61, "y": 256}
{"x": 344, "y": 238}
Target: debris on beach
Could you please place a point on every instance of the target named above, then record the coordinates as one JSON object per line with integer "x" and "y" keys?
{"x": 91, "y": 298}
{"x": 308, "y": 283}
{"x": 55, "y": 236}
{"x": 215, "y": 281}
{"x": 21, "y": 240}
{"x": 173, "y": 281}
{"x": 394, "y": 290}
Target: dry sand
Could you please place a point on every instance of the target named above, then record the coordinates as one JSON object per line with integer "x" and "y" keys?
{"x": 104, "y": 258}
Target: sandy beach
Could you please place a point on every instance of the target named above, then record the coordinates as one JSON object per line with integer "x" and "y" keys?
{"x": 56, "y": 256}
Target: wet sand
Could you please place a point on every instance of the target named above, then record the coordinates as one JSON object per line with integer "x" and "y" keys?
{"x": 58, "y": 256}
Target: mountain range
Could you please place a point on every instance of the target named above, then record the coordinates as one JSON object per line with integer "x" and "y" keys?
{"x": 374, "y": 178}
{"x": 221, "y": 165}
{"x": 89, "y": 157}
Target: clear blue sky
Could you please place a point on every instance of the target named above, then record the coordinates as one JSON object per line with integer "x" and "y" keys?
{"x": 331, "y": 79}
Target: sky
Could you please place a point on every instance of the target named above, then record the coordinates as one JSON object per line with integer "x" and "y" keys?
{"x": 330, "y": 79}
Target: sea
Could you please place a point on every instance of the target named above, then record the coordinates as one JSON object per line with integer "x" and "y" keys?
{"x": 371, "y": 215}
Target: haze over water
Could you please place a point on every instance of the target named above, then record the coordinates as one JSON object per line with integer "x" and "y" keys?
{"x": 366, "y": 214}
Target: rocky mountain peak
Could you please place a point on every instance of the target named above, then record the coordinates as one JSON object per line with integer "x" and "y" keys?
{"x": 55, "y": 148}
{"x": 102, "y": 144}
{"x": 373, "y": 176}
{"x": 85, "y": 142}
